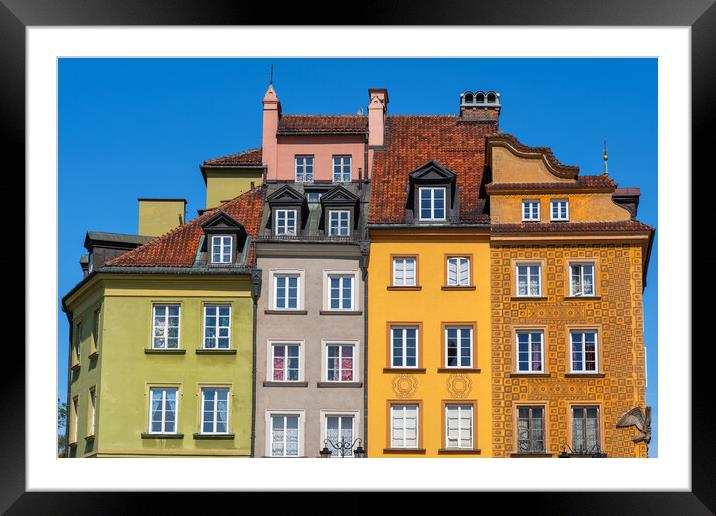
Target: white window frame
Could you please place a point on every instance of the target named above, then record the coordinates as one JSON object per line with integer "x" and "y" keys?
{"x": 431, "y": 189}
{"x": 202, "y": 399}
{"x": 404, "y": 269}
{"x": 176, "y": 409}
{"x": 417, "y": 425}
{"x": 285, "y": 229}
{"x": 458, "y": 260}
{"x": 301, "y": 414}
{"x": 325, "y": 414}
{"x": 529, "y": 277}
{"x": 166, "y": 326}
{"x": 318, "y": 194}
{"x": 327, "y": 275}
{"x": 581, "y": 266}
{"x": 460, "y": 329}
{"x": 93, "y": 408}
{"x": 223, "y": 257}
{"x": 342, "y": 164}
{"x": 583, "y": 370}
{"x": 275, "y": 274}
{"x": 339, "y": 228}
{"x": 75, "y": 419}
{"x": 404, "y": 347}
{"x": 271, "y": 344}
{"x": 216, "y": 327}
{"x": 304, "y": 157}
{"x": 530, "y": 370}
{"x": 528, "y": 213}
{"x": 552, "y": 204}
{"x": 324, "y": 359}
{"x": 460, "y": 409}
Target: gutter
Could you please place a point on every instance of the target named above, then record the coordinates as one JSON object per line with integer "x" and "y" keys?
{"x": 430, "y": 226}
{"x": 648, "y": 257}
{"x": 69, "y": 380}
{"x": 364, "y": 271}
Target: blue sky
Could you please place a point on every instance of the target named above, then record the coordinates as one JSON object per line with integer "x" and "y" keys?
{"x": 132, "y": 128}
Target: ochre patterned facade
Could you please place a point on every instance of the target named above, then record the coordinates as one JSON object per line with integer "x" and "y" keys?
{"x": 617, "y": 315}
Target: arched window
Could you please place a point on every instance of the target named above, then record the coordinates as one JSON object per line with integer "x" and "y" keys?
{"x": 491, "y": 97}
{"x": 468, "y": 98}
{"x": 480, "y": 98}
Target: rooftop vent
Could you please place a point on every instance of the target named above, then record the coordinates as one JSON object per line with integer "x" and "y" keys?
{"x": 480, "y": 106}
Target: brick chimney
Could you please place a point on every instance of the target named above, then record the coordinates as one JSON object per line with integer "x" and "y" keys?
{"x": 480, "y": 106}
{"x": 269, "y": 144}
{"x": 377, "y": 108}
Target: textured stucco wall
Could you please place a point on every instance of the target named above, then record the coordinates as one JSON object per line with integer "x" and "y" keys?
{"x": 313, "y": 330}
{"x": 617, "y": 315}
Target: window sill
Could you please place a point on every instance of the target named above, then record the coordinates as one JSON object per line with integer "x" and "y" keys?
{"x": 340, "y": 312}
{"x": 215, "y": 437}
{"x": 395, "y": 288}
{"x": 93, "y": 356}
{"x": 528, "y": 298}
{"x": 586, "y": 298}
{"x": 458, "y": 287}
{"x": 285, "y": 312}
{"x": 169, "y": 351}
{"x": 147, "y": 435}
{"x": 459, "y": 370}
{"x": 408, "y": 451}
{"x": 531, "y": 454}
{"x": 584, "y": 375}
{"x": 285, "y": 384}
{"x": 202, "y": 351}
{"x": 404, "y": 370}
{"x": 345, "y": 385}
{"x": 530, "y": 375}
{"x": 459, "y": 451}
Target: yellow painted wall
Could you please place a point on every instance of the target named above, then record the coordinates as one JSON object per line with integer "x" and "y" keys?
{"x": 225, "y": 184}
{"x": 430, "y": 306}
{"x": 509, "y": 168}
{"x": 583, "y": 207}
{"x": 156, "y": 217}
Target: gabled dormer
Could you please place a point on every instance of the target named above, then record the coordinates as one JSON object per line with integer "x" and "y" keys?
{"x": 340, "y": 212}
{"x": 432, "y": 195}
{"x": 224, "y": 238}
{"x": 288, "y": 212}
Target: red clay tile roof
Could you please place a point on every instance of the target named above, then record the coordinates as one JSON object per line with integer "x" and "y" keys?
{"x": 601, "y": 182}
{"x": 411, "y": 141}
{"x": 178, "y": 247}
{"x": 557, "y": 227}
{"x": 322, "y": 124}
{"x": 251, "y": 157}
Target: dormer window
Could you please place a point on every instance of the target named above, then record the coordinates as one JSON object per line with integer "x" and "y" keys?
{"x": 221, "y": 246}
{"x": 431, "y": 203}
{"x": 286, "y": 222}
{"x": 225, "y": 240}
{"x": 339, "y": 222}
{"x": 433, "y": 195}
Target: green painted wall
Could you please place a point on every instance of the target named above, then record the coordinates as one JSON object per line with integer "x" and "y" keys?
{"x": 128, "y": 372}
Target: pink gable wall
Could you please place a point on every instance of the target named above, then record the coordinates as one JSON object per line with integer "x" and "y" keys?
{"x": 323, "y": 148}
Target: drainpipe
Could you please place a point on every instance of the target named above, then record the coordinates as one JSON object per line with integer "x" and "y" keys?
{"x": 255, "y": 293}
{"x": 364, "y": 250}
{"x": 69, "y": 379}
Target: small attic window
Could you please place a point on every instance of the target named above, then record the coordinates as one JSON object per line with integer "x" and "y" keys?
{"x": 491, "y": 97}
{"x": 469, "y": 98}
{"x": 480, "y": 98}
{"x": 221, "y": 248}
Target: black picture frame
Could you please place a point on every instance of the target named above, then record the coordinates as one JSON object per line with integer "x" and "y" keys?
{"x": 700, "y": 15}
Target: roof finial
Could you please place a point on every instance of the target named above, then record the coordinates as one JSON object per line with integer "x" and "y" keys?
{"x": 606, "y": 157}
{"x": 271, "y": 75}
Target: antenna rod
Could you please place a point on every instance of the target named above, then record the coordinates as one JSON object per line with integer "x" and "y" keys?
{"x": 271, "y": 75}
{"x": 606, "y": 157}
